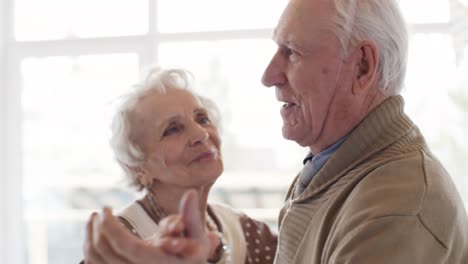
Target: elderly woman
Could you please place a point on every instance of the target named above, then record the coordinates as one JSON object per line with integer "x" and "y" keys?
{"x": 165, "y": 137}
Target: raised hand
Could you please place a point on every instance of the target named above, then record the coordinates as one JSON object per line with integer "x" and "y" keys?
{"x": 108, "y": 241}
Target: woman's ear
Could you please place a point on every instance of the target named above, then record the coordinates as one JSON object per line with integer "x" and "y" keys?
{"x": 142, "y": 175}
{"x": 367, "y": 60}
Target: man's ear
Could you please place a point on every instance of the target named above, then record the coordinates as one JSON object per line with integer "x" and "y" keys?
{"x": 366, "y": 58}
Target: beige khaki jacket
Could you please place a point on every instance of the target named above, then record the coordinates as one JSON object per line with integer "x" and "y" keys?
{"x": 382, "y": 197}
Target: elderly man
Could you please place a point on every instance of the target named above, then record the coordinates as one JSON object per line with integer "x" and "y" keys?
{"x": 370, "y": 191}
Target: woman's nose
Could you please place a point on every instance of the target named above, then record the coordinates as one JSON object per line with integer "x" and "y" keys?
{"x": 198, "y": 134}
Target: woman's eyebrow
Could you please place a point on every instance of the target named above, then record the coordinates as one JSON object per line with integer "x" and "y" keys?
{"x": 169, "y": 120}
{"x": 200, "y": 110}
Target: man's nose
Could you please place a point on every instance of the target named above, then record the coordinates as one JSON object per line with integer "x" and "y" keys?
{"x": 274, "y": 74}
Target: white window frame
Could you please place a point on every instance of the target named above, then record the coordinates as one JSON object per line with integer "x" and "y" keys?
{"x": 11, "y": 213}
{"x": 3, "y": 151}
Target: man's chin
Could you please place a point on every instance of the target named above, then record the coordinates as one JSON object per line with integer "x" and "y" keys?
{"x": 292, "y": 133}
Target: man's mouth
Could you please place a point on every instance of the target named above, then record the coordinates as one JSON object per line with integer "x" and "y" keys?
{"x": 290, "y": 104}
{"x": 286, "y": 105}
{"x": 290, "y": 112}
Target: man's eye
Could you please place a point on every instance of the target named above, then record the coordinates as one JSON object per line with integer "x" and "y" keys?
{"x": 292, "y": 55}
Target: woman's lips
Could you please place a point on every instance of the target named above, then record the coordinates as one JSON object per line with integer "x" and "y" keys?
{"x": 208, "y": 155}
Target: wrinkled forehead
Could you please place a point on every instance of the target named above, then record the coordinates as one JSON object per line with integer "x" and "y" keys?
{"x": 171, "y": 101}
{"x": 156, "y": 108}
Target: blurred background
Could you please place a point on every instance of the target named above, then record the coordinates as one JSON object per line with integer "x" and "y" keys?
{"x": 64, "y": 62}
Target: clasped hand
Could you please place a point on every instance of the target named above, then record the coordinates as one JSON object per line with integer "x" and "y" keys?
{"x": 182, "y": 239}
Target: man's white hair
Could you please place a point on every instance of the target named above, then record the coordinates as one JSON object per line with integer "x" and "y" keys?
{"x": 124, "y": 139}
{"x": 379, "y": 21}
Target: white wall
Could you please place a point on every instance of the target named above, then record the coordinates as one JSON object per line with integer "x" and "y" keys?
{"x": 11, "y": 218}
{"x": 3, "y": 186}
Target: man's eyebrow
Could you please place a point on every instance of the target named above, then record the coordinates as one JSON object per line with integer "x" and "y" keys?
{"x": 274, "y": 34}
{"x": 287, "y": 42}
{"x": 275, "y": 31}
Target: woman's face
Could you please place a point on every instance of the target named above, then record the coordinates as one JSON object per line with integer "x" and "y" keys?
{"x": 181, "y": 143}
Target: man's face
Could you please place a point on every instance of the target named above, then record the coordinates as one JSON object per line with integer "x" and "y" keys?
{"x": 310, "y": 73}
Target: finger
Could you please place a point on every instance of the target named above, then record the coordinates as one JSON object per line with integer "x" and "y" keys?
{"x": 214, "y": 241}
{"x": 174, "y": 246}
{"x": 191, "y": 215}
{"x": 128, "y": 247}
{"x": 101, "y": 245}
{"x": 91, "y": 254}
{"x": 105, "y": 244}
{"x": 171, "y": 226}
{"x": 185, "y": 248}
{"x": 89, "y": 233}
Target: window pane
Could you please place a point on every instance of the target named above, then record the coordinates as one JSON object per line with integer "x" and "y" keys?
{"x": 426, "y": 11}
{"x": 458, "y": 144}
{"x": 437, "y": 100}
{"x": 57, "y": 19}
{"x": 207, "y": 15}
{"x": 67, "y": 102}
{"x": 464, "y": 2}
{"x": 431, "y": 67}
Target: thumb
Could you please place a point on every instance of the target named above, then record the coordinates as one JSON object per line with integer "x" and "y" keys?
{"x": 191, "y": 215}
{"x": 214, "y": 241}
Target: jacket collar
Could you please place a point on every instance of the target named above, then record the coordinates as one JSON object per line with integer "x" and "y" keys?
{"x": 382, "y": 127}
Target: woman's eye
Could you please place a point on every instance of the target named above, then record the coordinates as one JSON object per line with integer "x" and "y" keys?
{"x": 204, "y": 120}
{"x": 170, "y": 131}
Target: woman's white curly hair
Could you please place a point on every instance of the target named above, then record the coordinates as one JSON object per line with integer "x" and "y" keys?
{"x": 124, "y": 141}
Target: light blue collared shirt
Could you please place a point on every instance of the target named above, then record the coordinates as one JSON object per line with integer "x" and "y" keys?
{"x": 316, "y": 163}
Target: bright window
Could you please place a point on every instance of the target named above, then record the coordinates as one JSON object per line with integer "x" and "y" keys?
{"x": 59, "y": 19}
{"x": 211, "y": 15}
{"x": 69, "y": 60}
